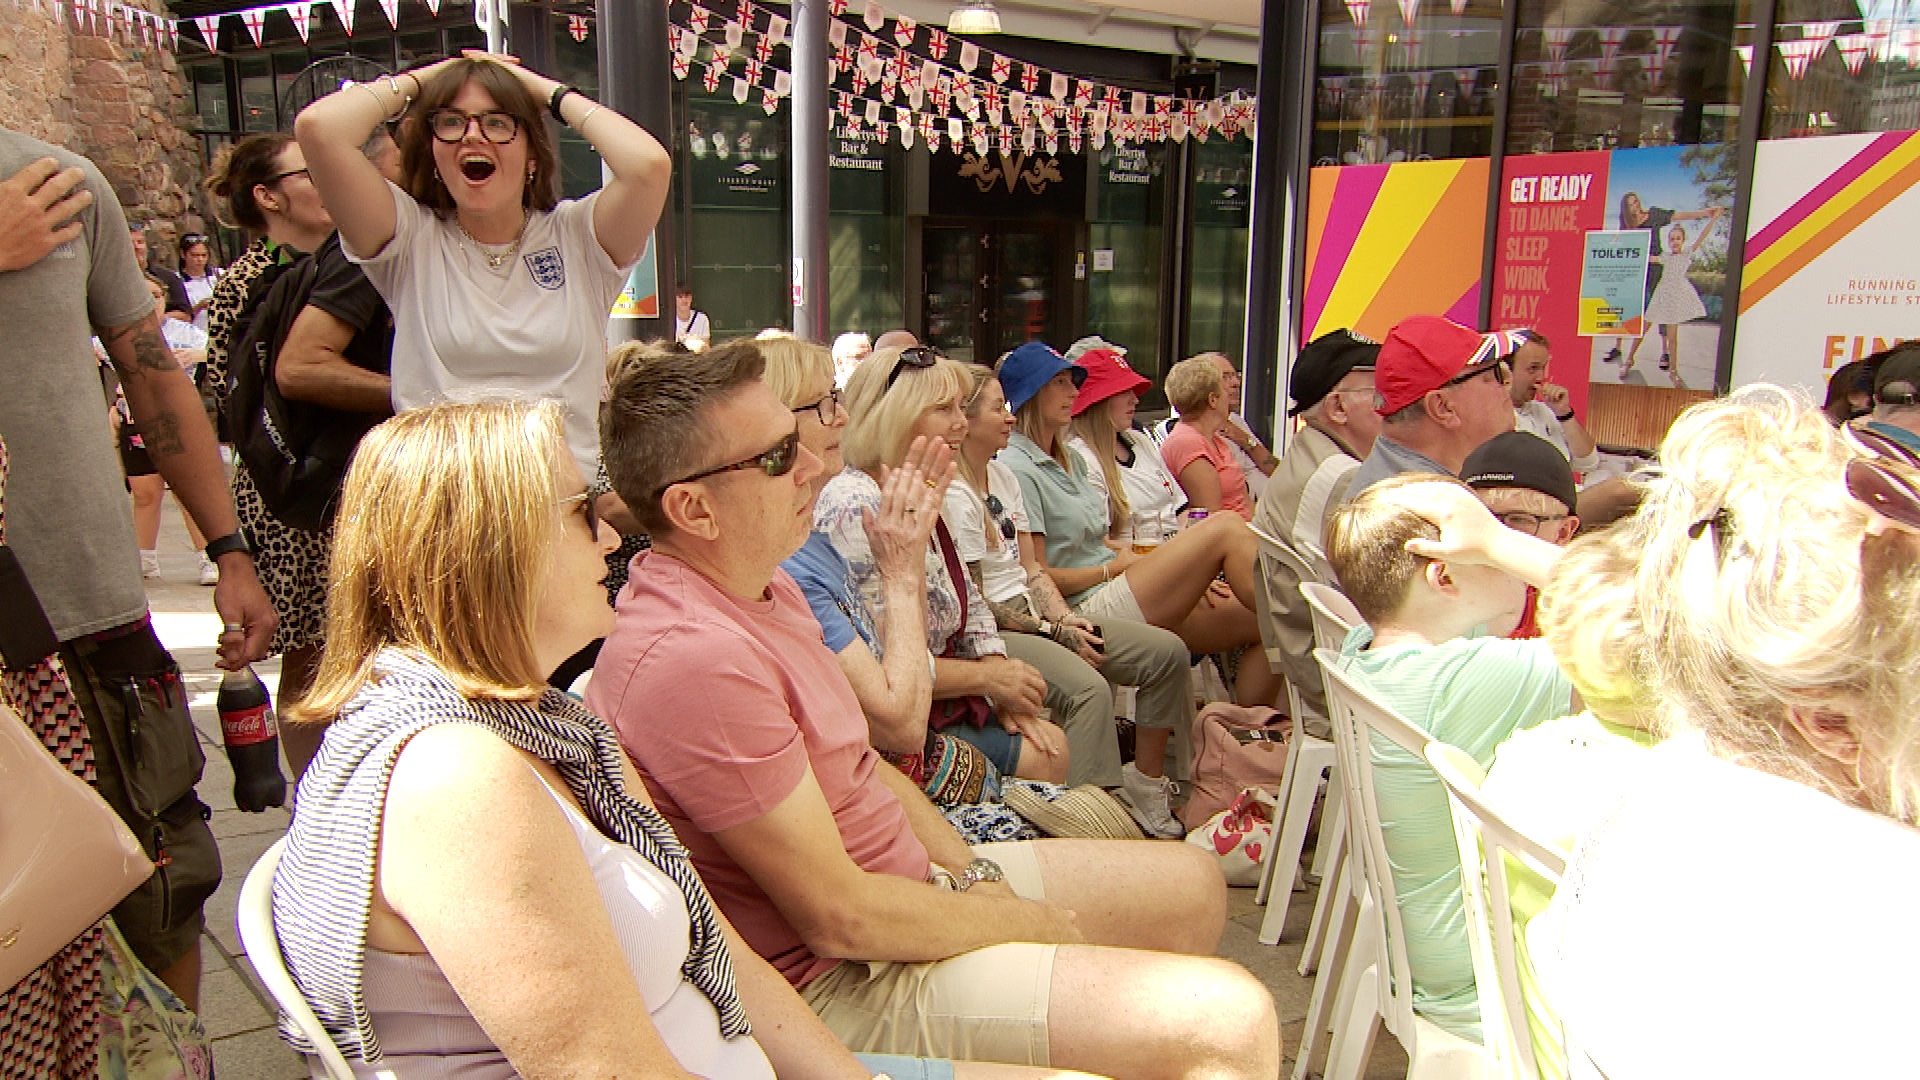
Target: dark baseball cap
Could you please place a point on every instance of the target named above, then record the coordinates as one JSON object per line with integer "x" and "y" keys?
{"x": 1324, "y": 362}
{"x": 1897, "y": 381}
{"x": 1520, "y": 459}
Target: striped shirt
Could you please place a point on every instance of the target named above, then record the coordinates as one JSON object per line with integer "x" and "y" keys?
{"x": 323, "y": 892}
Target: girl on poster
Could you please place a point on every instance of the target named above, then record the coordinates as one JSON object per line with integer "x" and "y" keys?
{"x": 1635, "y": 214}
{"x": 1674, "y": 300}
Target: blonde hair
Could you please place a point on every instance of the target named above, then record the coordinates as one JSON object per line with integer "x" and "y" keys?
{"x": 1751, "y": 573}
{"x": 1191, "y": 382}
{"x": 978, "y": 375}
{"x": 795, "y": 366}
{"x": 1590, "y": 618}
{"x": 445, "y": 522}
{"x": 1095, "y": 426}
{"x": 879, "y": 416}
{"x": 1367, "y": 546}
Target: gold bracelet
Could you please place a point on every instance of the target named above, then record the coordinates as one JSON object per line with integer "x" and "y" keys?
{"x": 581, "y": 124}
{"x": 1106, "y": 572}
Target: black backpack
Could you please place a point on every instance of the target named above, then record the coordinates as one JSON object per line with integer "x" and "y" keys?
{"x": 297, "y": 453}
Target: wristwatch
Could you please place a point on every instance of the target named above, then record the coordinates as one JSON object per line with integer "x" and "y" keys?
{"x": 977, "y": 871}
{"x": 223, "y": 545}
{"x": 1047, "y": 629}
{"x": 1564, "y": 419}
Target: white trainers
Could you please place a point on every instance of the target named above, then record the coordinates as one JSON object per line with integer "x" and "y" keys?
{"x": 150, "y": 564}
{"x": 209, "y": 573}
{"x": 1148, "y": 798}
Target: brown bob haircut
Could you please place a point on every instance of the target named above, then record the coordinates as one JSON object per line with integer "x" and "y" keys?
{"x": 418, "y": 175}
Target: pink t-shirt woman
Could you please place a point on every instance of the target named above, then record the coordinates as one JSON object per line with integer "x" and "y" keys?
{"x": 1186, "y": 445}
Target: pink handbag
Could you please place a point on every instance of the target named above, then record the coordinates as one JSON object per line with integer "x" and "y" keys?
{"x": 66, "y": 859}
{"x": 1235, "y": 748}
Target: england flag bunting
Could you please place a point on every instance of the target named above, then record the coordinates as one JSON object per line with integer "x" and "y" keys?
{"x": 209, "y": 29}
{"x": 255, "y": 21}
{"x": 301, "y": 12}
{"x": 344, "y": 9}
{"x": 391, "y": 9}
{"x": 903, "y": 31}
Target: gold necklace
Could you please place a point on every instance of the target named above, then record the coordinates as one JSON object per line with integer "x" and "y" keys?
{"x": 496, "y": 261}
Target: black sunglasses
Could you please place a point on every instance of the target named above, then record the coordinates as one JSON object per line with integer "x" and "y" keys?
{"x": 1501, "y": 372}
{"x": 996, "y": 509}
{"x": 1883, "y": 492}
{"x": 587, "y": 508}
{"x": 920, "y": 356}
{"x": 776, "y": 461}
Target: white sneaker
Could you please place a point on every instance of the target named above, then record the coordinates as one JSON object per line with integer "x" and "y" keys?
{"x": 209, "y": 573}
{"x": 150, "y": 564}
{"x": 1147, "y": 797}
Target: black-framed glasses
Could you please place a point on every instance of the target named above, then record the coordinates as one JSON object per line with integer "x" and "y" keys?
{"x": 1502, "y": 372}
{"x": 776, "y": 461}
{"x": 997, "y": 510}
{"x": 1520, "y": 521}
{"x": 827, "y": 408}
{"x": 451, "y": 125}
{"x": 587, "y": 508}
{"x": 277, "y": 177}
{"x": 919, "y": 356}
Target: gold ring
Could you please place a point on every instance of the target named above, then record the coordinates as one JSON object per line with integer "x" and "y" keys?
{"x": 930, "y": 484}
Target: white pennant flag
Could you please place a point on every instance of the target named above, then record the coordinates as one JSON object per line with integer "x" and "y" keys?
{"x": 955, "y": 132}
{"x": 1057, "y": 87}
{"x": 740, "y": 91}
{"x": 782, "y": 84}
{"x": 836, "y": 33}
{"x": 874, "y": 16}
{"x": 255, "y": 20}
{"x": 391, "y": 9}
{"x": 776, "y": 29}
{"x": 344, "y": 9}
{"x": 209, "y": 29}
{"x": 301, "y": 12}
{"x": 969, "y": 56}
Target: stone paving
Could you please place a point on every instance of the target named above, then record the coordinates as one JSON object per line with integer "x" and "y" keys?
{"x": 237, "y": 1009}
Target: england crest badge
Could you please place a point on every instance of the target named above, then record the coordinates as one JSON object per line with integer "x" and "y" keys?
{"x": 549, "y": 272}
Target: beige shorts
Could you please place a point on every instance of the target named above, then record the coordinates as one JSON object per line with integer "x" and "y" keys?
{"x": 986, "y": 1005}
{"x": 1115, "y": 598}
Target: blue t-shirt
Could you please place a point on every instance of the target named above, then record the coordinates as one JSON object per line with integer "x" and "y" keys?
{"x": 828, "y": 584}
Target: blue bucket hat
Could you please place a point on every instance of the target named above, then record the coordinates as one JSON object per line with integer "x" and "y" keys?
{"x": 1030, "y": 367}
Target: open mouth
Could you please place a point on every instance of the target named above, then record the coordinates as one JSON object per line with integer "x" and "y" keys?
{"x": 477, "y": 168}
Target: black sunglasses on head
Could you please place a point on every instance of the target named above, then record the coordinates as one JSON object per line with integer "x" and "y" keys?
{"x": 1884, "y": 491}
{"x": 775, "y": 461}
{"x": 920, "y": 356}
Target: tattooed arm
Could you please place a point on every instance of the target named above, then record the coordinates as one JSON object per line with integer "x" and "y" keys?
{"x": 166, "y": 406}
{"x": 1005, "y": 616}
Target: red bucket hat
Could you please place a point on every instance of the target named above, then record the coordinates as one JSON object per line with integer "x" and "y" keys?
{"x": 1422, "y": 354}
{"x": 1107, "y": 376}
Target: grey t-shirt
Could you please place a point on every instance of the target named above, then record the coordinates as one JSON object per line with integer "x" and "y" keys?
{"x": 68, "y": 516}
{"x": 1389, "y": 458}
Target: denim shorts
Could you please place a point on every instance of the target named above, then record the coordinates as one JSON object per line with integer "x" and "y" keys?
{"x": 1002, "y": 747}
{"x": 901, "y": 1067}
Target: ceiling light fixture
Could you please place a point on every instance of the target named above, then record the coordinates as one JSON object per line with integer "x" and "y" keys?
{"x": 974, "y": 17}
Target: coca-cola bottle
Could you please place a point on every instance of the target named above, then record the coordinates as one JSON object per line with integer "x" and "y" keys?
{"x": 253, "y": 741}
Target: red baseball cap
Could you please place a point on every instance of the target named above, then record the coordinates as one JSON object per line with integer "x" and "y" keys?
{"x": 1107, "y": 376}
{"x": 1422, "y": 354}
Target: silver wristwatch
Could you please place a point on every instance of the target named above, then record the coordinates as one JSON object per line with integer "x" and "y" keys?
{"x": 977, "y": 871}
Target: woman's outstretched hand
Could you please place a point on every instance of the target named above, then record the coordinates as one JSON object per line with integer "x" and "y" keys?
{"x": 910, "y": 500}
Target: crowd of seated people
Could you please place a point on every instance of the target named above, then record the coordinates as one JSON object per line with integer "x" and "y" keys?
{"x": 878, "y": 582}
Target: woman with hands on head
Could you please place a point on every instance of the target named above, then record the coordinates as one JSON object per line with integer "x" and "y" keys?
{"x": 980, "y": 695}
{"x": 1081, "y": 662}
{"x": 497, "y": 285}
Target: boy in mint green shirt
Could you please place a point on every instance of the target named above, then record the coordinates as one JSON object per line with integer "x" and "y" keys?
{"x": 1439, "y": 581}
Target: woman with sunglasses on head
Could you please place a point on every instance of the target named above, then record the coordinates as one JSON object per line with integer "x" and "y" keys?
{"x": 1082, "y": 661}
{"x": 1775, "y": 577}
{"x": 497, "y": 285}
{"x": 980, "y": 694}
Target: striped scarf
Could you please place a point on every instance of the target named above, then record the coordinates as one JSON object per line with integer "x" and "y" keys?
{"x": 323, "y": 892}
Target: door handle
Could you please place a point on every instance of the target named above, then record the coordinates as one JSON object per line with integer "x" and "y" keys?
{"x": 985, "y": 281}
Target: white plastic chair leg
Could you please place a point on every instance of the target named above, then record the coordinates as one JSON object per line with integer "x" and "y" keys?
{"x": 1333, "y": 964}
{"x": 1326, "y": 902}
{"x": 1306, "y": 764}
{"x": 1333, "y": 822}
{"x": 1352, "y": 1045}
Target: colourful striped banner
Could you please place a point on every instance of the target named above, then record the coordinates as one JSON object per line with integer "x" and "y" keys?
{"x": 1388, "y": 241}
{"x": 1859, "y": 189}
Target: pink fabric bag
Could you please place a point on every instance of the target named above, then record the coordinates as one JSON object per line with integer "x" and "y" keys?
{"x": 1235, "y": 747}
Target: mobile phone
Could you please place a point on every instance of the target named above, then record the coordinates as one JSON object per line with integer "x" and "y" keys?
{"x": 1101, "y": 645}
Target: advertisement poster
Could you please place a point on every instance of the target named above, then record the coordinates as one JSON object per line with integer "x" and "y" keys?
{"x": 1388, "y": 241}
{"x": 1679, "y": 196}
{"x": 1613, "y": 282}
{"x": 1830, "y": 274}
{"x": 640, "y": 297}
{"x": 1548, "y": 205}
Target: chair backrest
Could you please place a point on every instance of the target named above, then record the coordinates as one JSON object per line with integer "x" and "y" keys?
{"x": 1334, "y": 616}
{"x": 1357, "y": 717}
{"x": 262, "y": 943}
{"x": 1279, "y": 550}
{"x": 1485, "y": 837}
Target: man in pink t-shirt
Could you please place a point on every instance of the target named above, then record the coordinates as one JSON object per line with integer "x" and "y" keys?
{"x": 752, "y": 743}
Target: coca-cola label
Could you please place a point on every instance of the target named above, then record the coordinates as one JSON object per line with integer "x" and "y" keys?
{"x": 247, "y": 726}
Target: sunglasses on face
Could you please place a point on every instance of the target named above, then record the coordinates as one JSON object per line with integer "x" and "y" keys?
{"x": 776, "y": 461}
{"x": 919, "y": 356}
{"x": 588, "y": 510}
{"x": 451, "y": 125}
{"x": 1501, "y": 372}
{"x": 827, "y": 408}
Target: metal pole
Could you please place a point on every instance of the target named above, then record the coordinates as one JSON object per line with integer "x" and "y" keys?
{"x": 634, "y": 81}
{"x": 1502, "y": 108}
{"x": 1753, "y": 110}
{"x": 812, "y": 115}
{"x": 1281, "y": 155}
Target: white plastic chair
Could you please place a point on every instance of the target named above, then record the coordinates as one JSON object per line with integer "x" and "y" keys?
{"x": 1479, "y": 827}
{"x": 1308, "y": 759}
{"x": 1376, "y": 983}
{"x": 1334, "y": 616}
{"x": 262, "y": 943}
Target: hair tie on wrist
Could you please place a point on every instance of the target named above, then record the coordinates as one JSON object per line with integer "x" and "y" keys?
{"x": 559, "y": 94}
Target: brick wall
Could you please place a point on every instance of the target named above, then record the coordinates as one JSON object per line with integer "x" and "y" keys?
{"x": 122, "y": 104}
